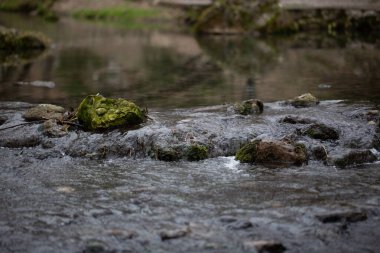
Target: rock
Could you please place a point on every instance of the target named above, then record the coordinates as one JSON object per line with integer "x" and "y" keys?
{"x": 296, "y": 120}
{"x": 227, "y": 219}
{"x": 262, "y": 246}
{"x": 197, "y": 152}
{"x": 320, "y": 153}
{"x": 272, "y": 152}
{"x": 240, "y": 225}
{"x": 321, "y": 132}
{"x": 252, "y": 106}
{"x": 98, "y": 113}
{"x": 13, "y": 40}
{"x": 167, "y": 154}
{"x": 2, "y": 120}
{"x": 52, "y": 129}
{"x": 305, "y": 100}
{"x": 44, "y": 112}
{"x": 173, "y": 234}
{"x": 343, "y": 217}
{"x": 355, "y": 157}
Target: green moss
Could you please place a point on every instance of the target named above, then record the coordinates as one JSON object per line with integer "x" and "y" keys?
{"x": 97, "y": 112}
{"x": 247, "y": 154}
{"x": 197, "y": 152}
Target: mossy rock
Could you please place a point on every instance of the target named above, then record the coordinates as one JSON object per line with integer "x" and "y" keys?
{"x": 167, "y": 154}
{"x": 197, "y": 153}
{"x": 14, "y": 40}
{"x": 99, "y": 113}
{"x": 321, "y": 132}
{"x": 355, "y": 157}
{"x": 252, "y": 106}
{"x": 271, "y": 152}
{"x": 304, "y": 100}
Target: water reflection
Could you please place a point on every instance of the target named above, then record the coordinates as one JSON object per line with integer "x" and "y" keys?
{"x": 163, "y": 69}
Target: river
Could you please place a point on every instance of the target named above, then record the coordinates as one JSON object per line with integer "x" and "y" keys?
{"x": 53, "y": 199}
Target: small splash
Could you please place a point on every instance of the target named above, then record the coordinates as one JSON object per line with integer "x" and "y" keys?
{"x": 65, "y": 189}
{"x": 231, "y": 163}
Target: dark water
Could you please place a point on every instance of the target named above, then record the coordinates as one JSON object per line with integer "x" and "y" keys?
{"x": 164, "y": 69}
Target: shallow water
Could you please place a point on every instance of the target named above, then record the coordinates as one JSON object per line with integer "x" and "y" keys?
{"x": 148, "y": 66}
{"x": 59, "y": 203}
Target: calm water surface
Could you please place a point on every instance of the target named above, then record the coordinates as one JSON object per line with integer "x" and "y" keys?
{"x": 163, "y": 69}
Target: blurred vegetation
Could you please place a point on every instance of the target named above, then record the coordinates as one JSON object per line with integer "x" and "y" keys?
{"x": 19, "y": 47}
{"x": 40, "y": 7}
{"x": 125, "y": 12}
{"x": 233, "y": 16}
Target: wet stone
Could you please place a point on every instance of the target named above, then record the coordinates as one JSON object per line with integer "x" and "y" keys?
{"x": 44, "y": 112}
{"x": 321, "y": 132}
{"x": 197, "y": 152}
{"x": 305, "y": 100}
{"x": 52, "y": 129}
{"x": 263, "y": 246}
{"x": 349, "y": 217}
{"x": 238, "y": 225}
{"x": 227, "y": 219}
{"x": 320, "y": 153}
{"x": 173, "y": 234}
{"x": 2, "y": 120}
{"x": 355, "y": 157}
{"x": 252, "y": 106}
{"x": 273, "y": 152}
{"x": 296, "y": 120}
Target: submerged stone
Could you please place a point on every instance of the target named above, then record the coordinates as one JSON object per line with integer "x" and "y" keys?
{"x": 355, "y": 157}
{"x": 97, "y": 112}
{"x": 44, "y": 112}
{"x": 252, "y": 106}
{"x": 272, "y": 152}
{"x": 321, "y": 132}
{"x": 304, "y": 100}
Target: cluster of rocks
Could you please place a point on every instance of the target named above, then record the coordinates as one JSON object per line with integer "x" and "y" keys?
{"x": 103, "y": 127}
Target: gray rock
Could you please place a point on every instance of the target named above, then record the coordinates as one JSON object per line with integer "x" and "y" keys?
{"x": 44, "y": 112}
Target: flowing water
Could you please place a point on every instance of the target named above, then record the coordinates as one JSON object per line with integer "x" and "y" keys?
{"x": 63, "y": 203}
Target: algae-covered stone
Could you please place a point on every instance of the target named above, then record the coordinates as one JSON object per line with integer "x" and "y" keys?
{"x": 197, "y": 152}
{"x": 252, "y": 106}
{"x": 44, "y": 112}
{"x": 97, "y": 112}
{"x": 272, "y": 152}
{"x": 305, "y": 100}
